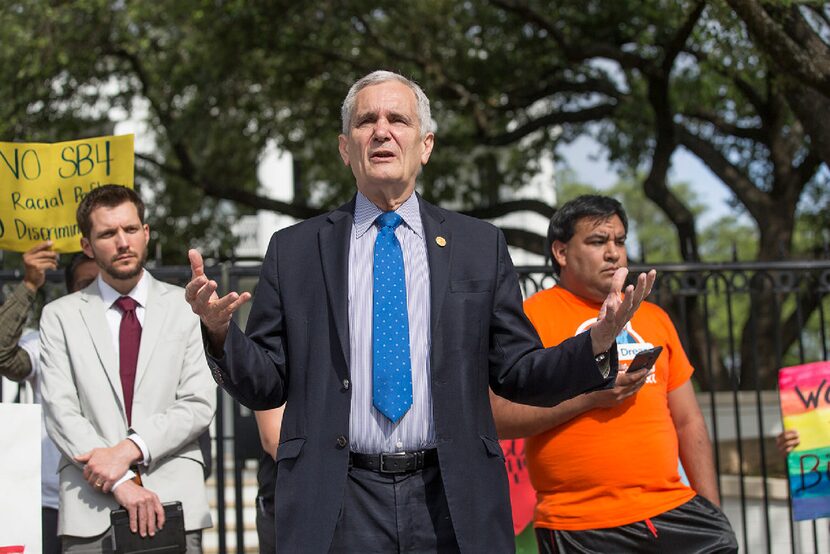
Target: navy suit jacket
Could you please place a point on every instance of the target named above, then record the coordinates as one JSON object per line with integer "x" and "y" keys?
{"x": 296, "y": 350}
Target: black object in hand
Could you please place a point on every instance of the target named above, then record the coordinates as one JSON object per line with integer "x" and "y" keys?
{"x": 167, "y": 540}
{"x": 644, "y": 359}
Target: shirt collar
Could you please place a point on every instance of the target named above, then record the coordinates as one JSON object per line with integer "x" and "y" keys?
{"x": 365, "y": 214}
{"x": 139, "y": 293}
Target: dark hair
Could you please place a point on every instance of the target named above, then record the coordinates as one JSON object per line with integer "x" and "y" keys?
{"x": 563, "y": 223}
{"x": 69, "y": 271}
{"x": 109, "y": 196}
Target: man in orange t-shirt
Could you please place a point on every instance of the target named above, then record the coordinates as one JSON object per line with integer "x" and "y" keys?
{"x": 604, "y": 464}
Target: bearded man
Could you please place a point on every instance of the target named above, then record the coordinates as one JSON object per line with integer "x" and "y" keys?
{"x": 126, "y": 389}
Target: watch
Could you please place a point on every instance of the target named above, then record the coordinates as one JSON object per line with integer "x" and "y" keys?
{"x": 603, "y": 360}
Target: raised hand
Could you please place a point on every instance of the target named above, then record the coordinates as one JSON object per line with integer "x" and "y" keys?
{"x": 36, "y": 261}
{"x": 617, "y": 310}
{"x": 214, "y": 312}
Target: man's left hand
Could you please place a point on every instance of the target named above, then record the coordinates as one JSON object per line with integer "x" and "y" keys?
{"x": 787, "y": 441}
{"x": 143, "y": 506}
{"x": 105, "y": 466}
{"x": 617, "y": 310}
{"x": 626, "y": 386}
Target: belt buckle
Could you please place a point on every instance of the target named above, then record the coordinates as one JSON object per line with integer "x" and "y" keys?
{"x": 392, "y": 456}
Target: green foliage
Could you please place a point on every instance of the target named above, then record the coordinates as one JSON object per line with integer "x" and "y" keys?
{"x": 729, "y": 238}
{"x": 217, "y": 82}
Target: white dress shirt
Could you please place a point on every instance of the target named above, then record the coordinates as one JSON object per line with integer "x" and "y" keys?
{"x": 108, "y": 296}
{"x": 370, "y": 431}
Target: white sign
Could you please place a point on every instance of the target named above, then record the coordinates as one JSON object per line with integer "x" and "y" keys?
{"x": 20, "y": 478}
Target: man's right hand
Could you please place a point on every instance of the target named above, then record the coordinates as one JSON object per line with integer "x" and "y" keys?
{"x": 36, "y": 261}
{"x": 625, "y": 386}
{"x": 214, "y": 312}
{"x": 143, "y": 505}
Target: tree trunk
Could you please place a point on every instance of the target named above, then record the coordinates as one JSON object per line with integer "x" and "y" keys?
{"x": 806, "y": 104}
{"x": 762, "y": 340}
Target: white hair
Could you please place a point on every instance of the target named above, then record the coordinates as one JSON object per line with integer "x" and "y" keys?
{"x": 425, "y": 121}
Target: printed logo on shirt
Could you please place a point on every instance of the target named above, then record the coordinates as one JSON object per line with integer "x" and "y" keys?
{"x": 629, "y": 344}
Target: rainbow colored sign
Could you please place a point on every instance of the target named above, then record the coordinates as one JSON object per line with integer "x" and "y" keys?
{"x": 805, "y": 407}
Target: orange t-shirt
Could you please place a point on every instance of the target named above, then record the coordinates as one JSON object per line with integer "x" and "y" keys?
{"x": 609, "y": 466}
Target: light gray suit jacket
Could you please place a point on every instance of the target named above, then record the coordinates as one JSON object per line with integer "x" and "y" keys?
{"x": 174, "y": 401}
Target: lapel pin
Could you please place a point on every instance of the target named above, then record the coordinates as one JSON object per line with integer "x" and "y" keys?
{"x": 441, "y": 241}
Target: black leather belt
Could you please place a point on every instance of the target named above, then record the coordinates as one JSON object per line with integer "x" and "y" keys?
{"x": 395, "y": 462}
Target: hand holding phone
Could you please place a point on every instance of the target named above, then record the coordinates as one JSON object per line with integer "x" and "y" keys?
{"x": 628, "y": 382}
{"x": 644, "y": 359}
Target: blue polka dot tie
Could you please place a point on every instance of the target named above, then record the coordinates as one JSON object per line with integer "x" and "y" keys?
{"x": 391, "y": 368}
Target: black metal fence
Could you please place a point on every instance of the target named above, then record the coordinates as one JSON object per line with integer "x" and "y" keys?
{"x": 739, "y": 323}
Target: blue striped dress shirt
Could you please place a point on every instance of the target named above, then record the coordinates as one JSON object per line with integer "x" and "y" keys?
{"x": 369, "y": 430}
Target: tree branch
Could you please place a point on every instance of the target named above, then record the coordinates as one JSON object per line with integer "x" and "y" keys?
{"x": 802, "y": 32}
{"x": 725, "y": 127}
{"x": 504, "y": 208}
{"x": 678, "y": 42}
{"x": 655, "y": 185}
{"x": 520, "y": 238}
{"x": 757, "y": 202}
{"x": 821, "y": 14}
{"x": 745, "y": 88}
{"x": 791, "y": 188}
{"x": 593, "y": 113}
{"x": 573, "y": 52}
{"x": 237, "y": 194}
{"x": 806, "y": 102}
{"x": 520, "y": 99}
{"x": 809, "y": 66}
{"x": 187, "y": 170}
{"x": 437, "y": 70}
{"x": 389, "y": 51}
{"x": 794, "y": 325}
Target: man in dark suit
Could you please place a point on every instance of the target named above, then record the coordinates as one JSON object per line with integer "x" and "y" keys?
{"x": 382, "y": 324}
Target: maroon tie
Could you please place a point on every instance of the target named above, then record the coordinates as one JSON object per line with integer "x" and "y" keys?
{"x": 129, "y": 338}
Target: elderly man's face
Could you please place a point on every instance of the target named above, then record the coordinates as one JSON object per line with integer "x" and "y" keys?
{"x": 384, "y": 146}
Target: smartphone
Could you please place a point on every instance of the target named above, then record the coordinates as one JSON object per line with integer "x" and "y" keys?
{"x": 644, "y": 359}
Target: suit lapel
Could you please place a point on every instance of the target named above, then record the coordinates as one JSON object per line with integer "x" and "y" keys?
{"x": 155, "y": 316}
{"x": 93, "y": 312}
{"x": 439, "y": 260}
{"x": 334, "y": 252}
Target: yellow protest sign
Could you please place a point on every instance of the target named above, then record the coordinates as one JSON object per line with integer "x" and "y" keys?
{"x": 41, "y": 185}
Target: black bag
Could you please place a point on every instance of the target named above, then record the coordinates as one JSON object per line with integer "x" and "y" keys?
{"x": 169, "y": 540}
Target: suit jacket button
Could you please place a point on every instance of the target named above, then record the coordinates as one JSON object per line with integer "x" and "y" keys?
{"x": 346, "y": 384}
{"x": 342, "y": 442}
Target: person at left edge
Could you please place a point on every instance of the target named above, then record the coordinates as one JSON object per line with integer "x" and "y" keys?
{"x": 20, "y": 360}
{"x": 124, "y": 328}
{"x": 350, "y": 477}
